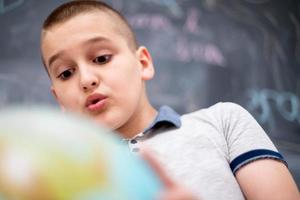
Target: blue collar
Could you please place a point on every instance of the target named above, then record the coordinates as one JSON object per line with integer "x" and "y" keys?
{"x": 165, "y": 115}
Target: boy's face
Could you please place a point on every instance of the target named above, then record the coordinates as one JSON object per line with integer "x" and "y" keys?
{"x": 93, "y": 70}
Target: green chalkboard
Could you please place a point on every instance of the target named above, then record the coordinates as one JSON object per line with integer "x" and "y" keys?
{"x": 204, "y": 51}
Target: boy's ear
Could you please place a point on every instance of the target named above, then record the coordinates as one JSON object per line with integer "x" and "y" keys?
{"x": 57, "y": 99}
{"x": 147, "y": 70}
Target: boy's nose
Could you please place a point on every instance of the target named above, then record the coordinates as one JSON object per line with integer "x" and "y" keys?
{"x": 89, "y": 81}
{"x": 89, "y": 86}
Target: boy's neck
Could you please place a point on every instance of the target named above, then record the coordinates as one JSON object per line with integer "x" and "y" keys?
{"x": 139, "y": 123}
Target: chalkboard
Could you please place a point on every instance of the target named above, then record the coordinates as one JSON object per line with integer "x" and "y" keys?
{"x": 204, "y": 51}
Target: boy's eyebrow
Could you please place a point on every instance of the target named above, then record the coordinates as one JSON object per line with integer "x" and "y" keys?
{"x": 87, "y": 42}
{"x": 54, "y": 57}
{"x": 96, "y": 39}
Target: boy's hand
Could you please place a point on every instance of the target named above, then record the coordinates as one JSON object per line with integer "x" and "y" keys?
{"x": 172, "y": 190}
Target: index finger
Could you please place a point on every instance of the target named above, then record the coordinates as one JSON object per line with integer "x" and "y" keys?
{"x": 158, "y": 169}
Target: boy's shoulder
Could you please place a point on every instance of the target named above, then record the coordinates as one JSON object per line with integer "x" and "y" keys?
{"x": 217, "y": 111}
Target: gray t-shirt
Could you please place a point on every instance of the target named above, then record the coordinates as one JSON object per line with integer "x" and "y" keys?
{"x": 203, "y": 150}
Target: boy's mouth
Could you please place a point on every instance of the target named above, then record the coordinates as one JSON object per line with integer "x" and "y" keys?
{"x": 95, "y": 102}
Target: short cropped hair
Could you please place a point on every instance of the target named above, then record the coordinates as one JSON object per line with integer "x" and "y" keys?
{"x": 71, "y": 9}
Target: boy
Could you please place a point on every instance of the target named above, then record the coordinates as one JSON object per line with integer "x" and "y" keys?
{"x": 97, "y": 68}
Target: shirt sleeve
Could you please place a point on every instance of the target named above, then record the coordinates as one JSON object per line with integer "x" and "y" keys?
{"x": 246, "y": 140}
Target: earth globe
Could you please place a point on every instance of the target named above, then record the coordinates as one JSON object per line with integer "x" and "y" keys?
{"x": 49, "y": 155}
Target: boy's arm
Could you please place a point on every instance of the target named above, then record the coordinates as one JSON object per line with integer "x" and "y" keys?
{"x": 258, "y": 166}
{"x": 267, "y": 179}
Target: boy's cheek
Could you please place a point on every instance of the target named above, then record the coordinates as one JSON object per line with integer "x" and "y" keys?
{"x": 61, "y": 94}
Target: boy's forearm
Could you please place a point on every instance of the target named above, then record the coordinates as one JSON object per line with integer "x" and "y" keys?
{"x": 267, "y": 179}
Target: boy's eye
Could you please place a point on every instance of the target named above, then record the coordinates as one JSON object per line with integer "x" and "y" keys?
{"x": 102, "y": 59}
{"x": 66, "y": 74}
